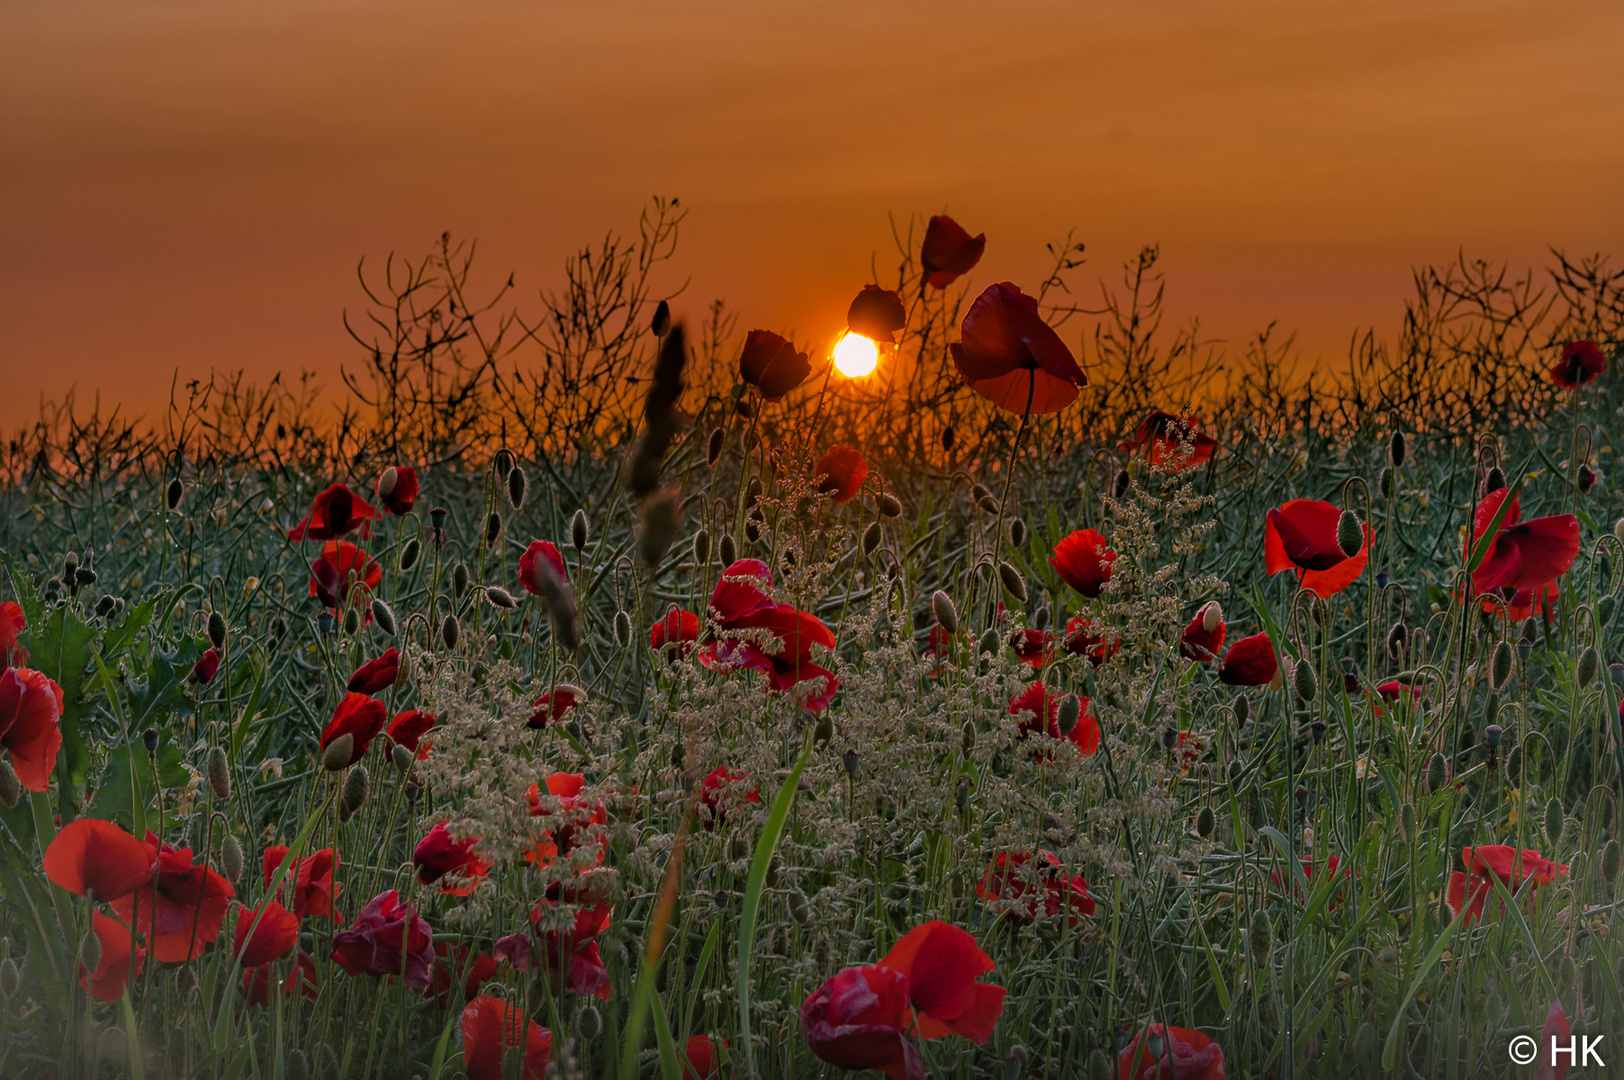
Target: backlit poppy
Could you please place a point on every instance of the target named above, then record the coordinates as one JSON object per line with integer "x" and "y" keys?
{"x": 701, "y": 1061}
{"x": 384, "y": 931}
{"x": 1488, "y": 862}
{"x": 95, "y": 858}
{"x": 679, "y": 629}
{"x": 942, "y": 963}
{"x": 550, "y": 707}
{"x": 1300, "y": 536}
{"x": 408, "y": 728}
{"x": 181, "y": 910}
{"x": 490, "y": 1027}
{"x": 1086, "y": 638}
{"x": 1523, "y": 554}
{"x": 361, "y": 718}
{"x": 570, "y": 817}
{"x": 542, "y": 556}
{"x": 1250, "y": 662}
{"x": 555, "y": 950}
{"x": 336, "y": 512}
{"x": 439, "y": 853}
{"x": 206, "y": 668}
{"x": 877, "y": 314}
{"x": 948, "y": 251}
{"x": 724, "y": 788}
{"x": 1204, "y": 636}
{"x": 1165, "y": 437}
{"x": 1163, "y": 1052}
{"x": 113, "y": 968}
{"x": 256, "y": 981}
{"x": 451, "y": 963}
{"x": 1010, "y": 356}
{"x": 12, "y": 624}
{"x": 772, "y": 365}
{"x": 840, "y": 473}
{"x": 30, "y": 724}
{"x": 1023, "y": 888}
{"x": 1034, "y": 648}
{"x": 311, "y": 883}
{"x": 274, "y": 936}
{"x": 1083, "y": 561}
{"x": 740, "y": 606}
{"x": 860, "y": 1019}
{"x": 376, "y": 674}
{"x": 1580, "y": 363}
{"x": 342, "y": 568}
{"x": 396, "y": 488}
{"x": 1041, "y": 713}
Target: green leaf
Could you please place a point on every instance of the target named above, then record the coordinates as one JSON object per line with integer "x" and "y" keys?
{"x": 670, "y": 1067}
{"x": 1390, "y": 1048}
{"x": 128, "y": 781}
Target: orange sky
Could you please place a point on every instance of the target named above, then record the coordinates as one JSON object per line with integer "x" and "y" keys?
{"x": 187, "y": 184}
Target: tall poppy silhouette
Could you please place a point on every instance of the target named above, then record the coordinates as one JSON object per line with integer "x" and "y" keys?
{"x": 1010, "y": 356}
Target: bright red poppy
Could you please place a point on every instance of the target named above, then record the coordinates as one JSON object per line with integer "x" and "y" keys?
{"x": 1042, "y": 714}
{"x": 439, "y": 853}
{"x": 451, "y": 963}
{"x": 840, "y": 473}
{"x": 1087, "y": 638}
{"x": 182, "y": 908}
{"x": 30, "y": 724}
{"x": 312, "y": 885}
{"x": 1010, "y": 356}
{"x": 376, "y": 674}
{"x": 1162, "y": 1052}
{"x": 1204, "y": 636}
{"x": 772, "y": 365}
{"x": 550, "y": 707}
{"x": 1025, "y": 888}
{"x": 1580, "y": 363}
{"x": 1489, "y": 862}
{"x": 1165, "y": 437}
{"x": 775, "y": 639}
{"x": 336, "y": 512}
{"x": 1524, "y": 554}
{"x": 274, "y": 936}
{"x": 877, "y": 314}
{"x": 555, "y": 950}
{"x": 95, "y": 858}
{"x": 341, "y": 569}
{"x": 948, "y": 251}
{"x": 396, "y": 487}
{"x": 113, "y": 969}
{"x": 1300, "y": 536}
{"x": 361, "y": 718}
{"x": 387, "y": 938}
{"x": 408, "y": 728}
{"x": 570, "y": 818}
{"x": 12, "y": 624}
{"x": 206, "y": 668}
{"x": 1083, "y": 561}
{"x": 256, "y": 981}
{"x": 542, "y": 556}
{"x": 679, "y": 629}
{"x": 490, "y": 1027}
{"x": 700, "y": 1059}
{"x": 1034, "y": 648}
{"x": 1250, "y": 662}
{"x": 725, "y": 789}
{"x": 1525, "y": 602}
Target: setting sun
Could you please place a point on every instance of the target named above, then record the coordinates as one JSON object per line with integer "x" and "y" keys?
{"x": 856, "y": 356}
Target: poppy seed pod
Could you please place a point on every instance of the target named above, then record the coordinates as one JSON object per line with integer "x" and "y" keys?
{"x": 11, "y": 788}
{"x": 1012, "y": 581}
{"x": 459, "y": 580}
{"x": 409, "y": 554}
{"x": 437, "y": 518}
{"x": 1492, "y": 735}
{"x": 1610, "y": 861}
{"x": 1494, "y": 480}
{"x": 1397, "y": 449}
{"x": 1304, "y": 681}
{"x": 1317, "y": 730}
{"x": 1170, "y": 737}
{"x": 384, "y": 616}
{"x": 352, "y": 621}
{"x": 493, "y": 527}
{"x": 90, "y": 951}
{"x": 1119, "y": 485}
{"x": 623, "y": 629}
{"x": 1584, "y": 672}
{"x": 1243, "y": 709}
{"x": 500, "y": 597}
{"x": 450, "y": 631}
{"x": 231, "y": 858}
{"x": 219, "y": 773}
{"x": 1070, "y": 711}
{"x": 660, "y": 325}
{"x": 1350, "y": 535}
{"x": 1501, "y": 666}
{"x": 357, "y": 785}
{"x": 217, "y": 629}
{"x": 149, "y": 740}
{"x": 1205, "y": 822}
{"x": 1407, "y": 823}
{"x": 580, "y": 530}
{"x": 1437, "y": 771}
{"x": 1554, "y": 820}
{"x": 947, "y": 616}
{"x": 728, "y": 549}
{"x": 851, "y": 761}
{"x": 518, "y": 487}
{"x": 337, "y": 754}
{"x": 174, "y": 493}
{"x": 713, "y": 447}
{"x": 889, "y": 505}
{"x": 1260, "y": 938}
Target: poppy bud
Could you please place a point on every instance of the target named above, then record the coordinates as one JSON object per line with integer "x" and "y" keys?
{"x": 947, "y": 616}
{"x": 1040, "y": 618}
{"x": 1384, "y": 482}
{"x": 1554, "y": 820}
{"x": 409, "y": 554}
{"x": 459, "y": 580}
{"x": 1514, "y": 762}
{"x": 450, "y": 631}
{"x": 753, "y": 492}
{"x": 356, "y": 787}
{"x": 11, "y": 788}
{"x": 1364, "y": 1042}
{"x": 1017, "y": 532}
{"x": 989, "y": 642}
{"x": 1070, "y": 711}
{"x": 1243, "y": 709}
{"x": 1119, "y": 485}
{"x": 1099, "y": 1066}
{"x": 219, "y": 773}
{"x": 1350, "y": 535}
{"x": 1587, "y": 479}
{"x": 1205, "y": 822}
{"x": 623, "y": 629}
{"x": 889, "y": 505}
{"x": 337, "y": 754}
{"x": 1618, "y": 528}
{"x": 1260, "y": 939}
{"x": 352, "y": 621}
{"x": 661, "y": 517}
{"x": 743, "y": 407}
{"x": 824, "y": 730}
{"x": 1606, "y": 608}
{"x": 1566, "y": 973}
{"x": 518, "y": 487}
{"x": 871, "y": 538}
{"x": 500, "y": 597}
{"x": 728, "y": 549}
{"x": 713, "y": 447}
{"x": 1395, "y": 640}
{"x": 850, "y": 760}
{"x": 1493, "y": 481}
{"x": 988, "y": 505}
{"x": 1407, "y": 823}
{"x": 296, "y": 1066}
{"x": 173, "y": 495}
{"x": 149, "y": 739}
{"x": 90, "y": 951}
{"x": 387, "y": 481}
{"x": 947, "y": 439}
{"x": 1304, "y": 681}
{"x": 493, "y": 527}
{"x": 580, "y": 530}
{"x": 1397, "y": 448}
{"x": 1012, "y": 581}
{"x": 217, "y": 629}
{"x": 752, "y": 526}
{"x": 961, "y": 794}
{"x": 1436, "y": 770}
{"x": 231, "y": 858}
{"x": 1609, "y": 862}
{"x": 384, "y": 616}
{"x": 1584, "y": 672}
{"x": 10, "y": 978}
{"x": 1500, "y": 667}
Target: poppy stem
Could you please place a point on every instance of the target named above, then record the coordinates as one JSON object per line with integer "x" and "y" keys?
{"x": 1015, "y": 449}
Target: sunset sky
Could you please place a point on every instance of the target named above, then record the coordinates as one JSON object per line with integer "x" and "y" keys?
{"x": 188, "y": 185}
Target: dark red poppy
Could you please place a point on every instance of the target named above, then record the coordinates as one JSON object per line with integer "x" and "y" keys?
{"x": 1163, "y": 1052}
{"x": 183, "y": 907}
{"x": 1300, "y": 536}
{"x": 439, "y": 853}
{"x": 30, "y": 724}
{"x": 1083, "y": 561}
{"x": 1312, "y": 871}
{"x": 550, "y": 707}
{"x": 1524, "y": 554}
{"x": 95, "y": 858}
{"x": 342, "y": 568}
{"x": 1250, "y": 662}
{"x": 700, "y": 1059}
{"x": 1393, "y": 690}
{"x": 948, "y": 251}
{"x": 490, "y": 1027}
{"x": 336, "y": 512}
{"x": 772, "y": 365}
{"x": 1023, "y": 887}
{"x": 312, "y": 883}
{"x": 1556, "y": 1033}
{"x": 1034, "y": 648}
{"x": 840, "y": 473}
{"x": 1580, "y": 363}
{"x": 1525, "y": 602}
{"x": 1488, "y": 862}
{"x": 361, "y": 718}
{"x": 679, "y": 629}
{"x": 377, "y": 674}
{"x": 877, "y": 314}
{"x": 1041, "y": 713}
{"x": 1165, "y": 438}
{"x": 1087, "y": 638}
{"x": 1010, "y": 356}
{"x": 741, "y": 606}
{"x": 570, "y": 818}
{"x": 397, "y": 489}
{"x": 1203, "y": 638}
{"x": 860, "y": 1019}
{"x": 256, "y": 981}
{"x": 725, "y": 789}
{"x": 273, "y": 937}
{"x": 555, "y": 950}
{"x": 12, "y": 624}
{"x": 384, "y": 931}
{"x": 206, "y": 668}
{"x": 451, "y": 963}
{"x": 542, "y": 556}
{"x": 408, "y": 728}
{"x": 113, "y": 968}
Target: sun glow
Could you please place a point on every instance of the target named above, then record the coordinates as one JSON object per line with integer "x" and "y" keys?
{"x": 856, "y": 356}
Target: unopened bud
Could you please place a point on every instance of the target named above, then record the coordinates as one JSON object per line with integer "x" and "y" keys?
{"x": 518, "y": 487}
{"x": 1070, "y": 711}
{"x": 409, "y": 553}
{"x": 1304, "y": 681}
{"x": 500, "y": 598}
{"x": 1260, "y": 939}
{"x": 967, "y": 737}
{"x": 1012, "y": 581}
{"x": 728, "y": 549}
{"x": 1212, "y": 616}
{"x": 1587, "y": 479}
{"x": 10, "y": 978}
{"x": 580, "y": 530}
{"x": 1099, "y": 1066}
{"x": 493, "y": 527}
{"x": 1017, "y": 533}
{"x": 296, "y": 1066}
{"x": 1386, "y": 481}
{"x": 383, "y": 615}
{"x": 1397, "y": 448}
{"x": 357, "y": 785}
{"x": 231, "y": 860}
{"x": 1494, "y": 480}
{"x": 947, "y": 616}
{"x": 872, "y": 537}
{"x": 217, "y": 629}
{"x": 173, "y": 494}
{"x": 337, "y": 754}
{"x": 1584, "y": 672}
{"x": 1396, "y": 635}
{"x": 401, "y": 758}
{"x": 1609, "y": 862}
{"x": 450, "y": 631}
{"x": 11, "y": 788}
{"x": 989, "y": 642}
{"x": 1501, "y": 666}
{"x": 1554, "y": 821}
{"x": 1119, "y": 484}
{"x": 1364, "y": 1042}
{"x": 702, "y": 548}
{"x": 1407, "y": 823}
{"x": 219, "y": 773}
{"x": 459, "y": 580}
{"x": 90, "y": 951}
{"x": 1243, "y": 710}
{"x": 352, "y": 620}
{"x": 713, "y": 448}
{"x": 889, "y": 505}
{"x": 1350, "y": 535}
{"x": 387, "y": 481}
{"x": 1437, "y": 770}
{"x": 1205, "y": 822}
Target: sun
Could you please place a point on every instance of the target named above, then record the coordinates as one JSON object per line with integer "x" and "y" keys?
{"x": 856, "y": 356}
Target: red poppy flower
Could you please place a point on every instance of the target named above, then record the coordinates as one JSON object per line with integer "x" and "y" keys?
{"x": 542, "y": 556}
{"x": 1300, "y": 535}
{"x": 1034, "y": 648}
{"x": 274, "y": 937}
{"x": 877, "y": 314}
{"x": 30, "y": 724}
{"x": 1042, "y": 712}
{"x": 1489, "y": 862}
{"x": 1312, "y": 872}
{"x": 772, "y": 365}
{"x": 555, "y": 950}
{"x": 384, "y": 930}
{"x": 1019, "y": 885}
{"x": 1525, "y": 602}
{"x": 740, "y": 605}
{"x": 181, "y": 910}
{"x": 490, "y": 1027}
{"x": 1087, "y": 638}
{"x": 840, "y": 473}
{"x": 397, "y": 489}
{"x": 312, "y": 883}
{"x": 376, "y": 674}
{"x": 342, "y": 568}
{"x": 336, "y": 512}
{"x": 948, "y": 251}
{"x": 1555, "y": 1033}
{"x": 1083, "y": 561}
{"x": 724, "y": 789}
{"x": 12, "y": 623}
{"x": 550, "y": 707}
{"x": 361, "y": 718}
{"x": 439, "y": 854}
{"x": 1161, "y": 1052}
{"x": 206, "y": 668}
{"x": 1250, "y": 662}
{"x": 96, "y": 858}
{"x": 113, "y": 969}
{"x": 451, "y": 962}
{"x": 256, "y": 981}
{"x": 1580, "y": 363}
{"x": 1010, "y": 356}
{"x": 1524, "y": 554}
{"x": 1165, "y": 437}
{"x": 679, "y": 628}
{"x": 1204, "y": 636}
{"x": 569, "y": 818}
{"x": 941, "y": 963}
{"x": 408, "y": 728}
{"x": 700, "y": 1058}
{"x": 859, "y": 1019}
